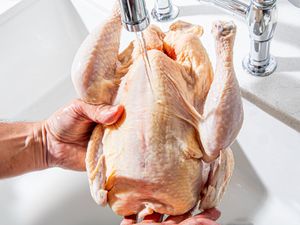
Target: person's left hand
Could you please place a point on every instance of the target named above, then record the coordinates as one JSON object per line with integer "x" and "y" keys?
{"x": 208, "y": 217}
{"x": 68, "y": 131}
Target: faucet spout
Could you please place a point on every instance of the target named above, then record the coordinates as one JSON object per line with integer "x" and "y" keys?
{"x": 134, "y": 15}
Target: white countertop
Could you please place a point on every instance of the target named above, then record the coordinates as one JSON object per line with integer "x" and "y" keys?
{"x": 278, "y": 94}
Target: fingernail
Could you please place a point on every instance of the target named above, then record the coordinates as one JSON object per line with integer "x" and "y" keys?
{"x": 111, "y": 114}
{"x": 114, "y": 108}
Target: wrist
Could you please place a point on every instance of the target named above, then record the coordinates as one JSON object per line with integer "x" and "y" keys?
{"x": 22, "y": 148}
{"x": 40, "y": 150}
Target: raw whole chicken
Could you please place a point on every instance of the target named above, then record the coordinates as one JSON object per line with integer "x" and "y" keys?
{"x": 170, "y": 150}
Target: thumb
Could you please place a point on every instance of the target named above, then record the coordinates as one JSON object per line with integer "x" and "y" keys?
{"x": 104, "y": 114}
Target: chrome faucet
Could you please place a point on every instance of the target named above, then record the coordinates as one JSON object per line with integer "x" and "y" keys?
{"x": 134, "y": 15}
{"x": 261, "y": 18}
{"x": 164, "y": 10}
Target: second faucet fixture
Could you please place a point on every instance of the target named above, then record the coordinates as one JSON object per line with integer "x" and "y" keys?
{"x": 260, "y": 16}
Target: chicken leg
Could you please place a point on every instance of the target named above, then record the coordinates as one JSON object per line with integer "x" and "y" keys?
{"x": 94, "y": 66}
{"x": 220, "y": 172}
{"x": 223, "y": 112}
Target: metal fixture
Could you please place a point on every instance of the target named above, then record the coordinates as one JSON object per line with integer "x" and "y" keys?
{"x": 164, "y": 11}
{"x": 261, "y": 18}
{"x": 134, "y": 15}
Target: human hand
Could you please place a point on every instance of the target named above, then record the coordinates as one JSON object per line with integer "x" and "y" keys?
{"x": 208, "y": 217}
{"x": 68, "y": 131}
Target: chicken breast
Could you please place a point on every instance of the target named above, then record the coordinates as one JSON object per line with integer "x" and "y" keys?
{"x": 170, "y": 149}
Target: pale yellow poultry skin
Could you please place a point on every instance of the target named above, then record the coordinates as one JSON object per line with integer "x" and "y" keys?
{"x": 170, "y": 149}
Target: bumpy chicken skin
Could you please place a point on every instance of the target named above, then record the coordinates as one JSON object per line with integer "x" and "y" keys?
{"x": 170, "y": 150}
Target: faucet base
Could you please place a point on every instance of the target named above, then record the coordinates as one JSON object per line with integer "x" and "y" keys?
{"x": 165, "y": 17}
{"x": 260, "y": 71}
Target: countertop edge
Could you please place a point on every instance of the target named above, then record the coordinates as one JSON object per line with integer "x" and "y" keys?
{"x": 269, "y": 109}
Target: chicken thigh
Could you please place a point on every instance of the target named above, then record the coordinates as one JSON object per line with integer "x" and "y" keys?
{"x": 170, "y": 150}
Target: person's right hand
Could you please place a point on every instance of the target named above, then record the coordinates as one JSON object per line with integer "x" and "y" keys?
{"x": 69, "y": 129}
{"x": 208, "y": 217}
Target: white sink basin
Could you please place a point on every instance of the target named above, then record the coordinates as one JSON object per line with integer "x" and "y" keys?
{"x": 38, "y": 43}
{"x": 263, "y": 190}
{"x": 62, "y": 197}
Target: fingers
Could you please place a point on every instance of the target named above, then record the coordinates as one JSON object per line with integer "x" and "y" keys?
{"x": 207, "y": 217}
{"x": 198, "y": 221}
{"x": 153, "y": 218}
{"x": 108, "y": 114}
{"x": 129, "y": 220}
{"x": 177, "y": 219}
{"x": 212, "y": 214}
{"x": 104, "y": 114}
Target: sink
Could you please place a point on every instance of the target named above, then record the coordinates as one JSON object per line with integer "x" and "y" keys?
{"x": 62, "y": 197}
{"x": 263, "y": 189}
{"x": 38, "y": 43}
